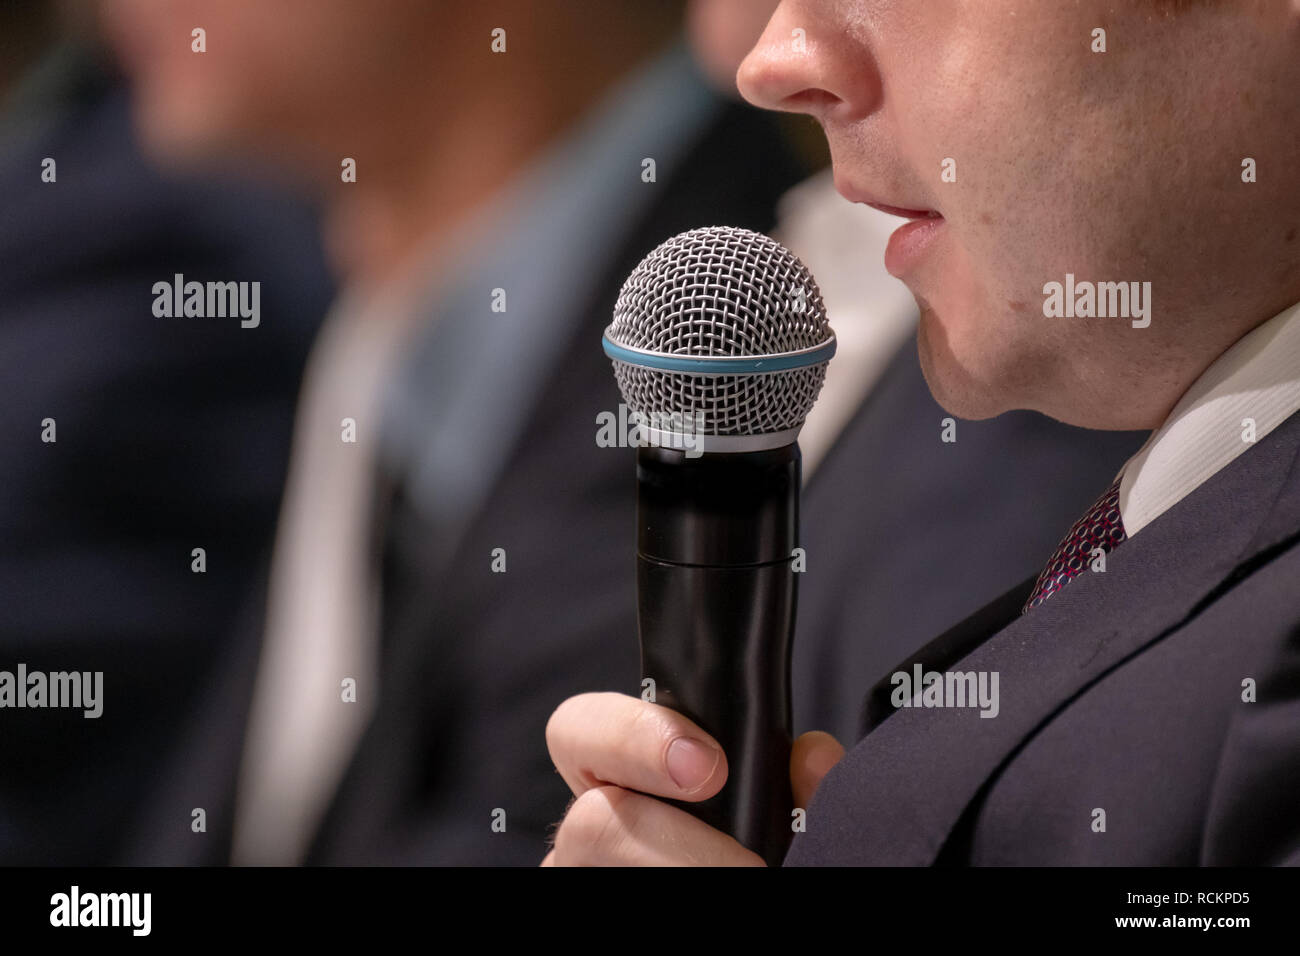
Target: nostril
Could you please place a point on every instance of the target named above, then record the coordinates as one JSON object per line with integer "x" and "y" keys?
{"x": 811, "y": 100}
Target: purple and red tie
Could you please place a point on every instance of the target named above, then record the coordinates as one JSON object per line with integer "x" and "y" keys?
{"x": 1101, "y": 527}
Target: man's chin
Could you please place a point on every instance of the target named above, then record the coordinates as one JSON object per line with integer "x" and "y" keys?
{"x": 173, "y": 139}
{"x": 958, "y": 393}
{"x": 186, "y": 131}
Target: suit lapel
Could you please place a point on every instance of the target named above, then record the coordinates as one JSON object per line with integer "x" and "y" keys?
{"x": 947, "y": 649}
{"x": 895, "y": 797}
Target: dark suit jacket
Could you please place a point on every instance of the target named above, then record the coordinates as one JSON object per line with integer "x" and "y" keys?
{"x": 172, "y": 434}
{"x": 907, "y": 534}
{"x": 1125, "y": 694}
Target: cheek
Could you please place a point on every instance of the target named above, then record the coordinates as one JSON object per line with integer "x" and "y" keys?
{"x": 1016, "y": 222}
{"x": 997, "y": 116}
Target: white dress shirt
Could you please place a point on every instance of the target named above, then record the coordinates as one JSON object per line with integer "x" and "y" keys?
{"x": 322, "y": 591}
{"x": 1248, "y": 391}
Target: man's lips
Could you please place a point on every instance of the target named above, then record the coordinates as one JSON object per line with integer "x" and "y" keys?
{"x": 862, "y": 197}
{"x": 908, "y": 245}
{"x": 904, "y": 213}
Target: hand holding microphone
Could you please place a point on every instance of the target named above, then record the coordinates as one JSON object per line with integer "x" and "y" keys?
{"x": 619, "y": 753}
{"x": 719, "y": 344}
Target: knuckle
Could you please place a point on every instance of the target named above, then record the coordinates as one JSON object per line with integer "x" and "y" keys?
{"x": 655, "y": 725}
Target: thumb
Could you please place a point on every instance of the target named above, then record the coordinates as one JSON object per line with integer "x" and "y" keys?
{"x": 812, "y": 755}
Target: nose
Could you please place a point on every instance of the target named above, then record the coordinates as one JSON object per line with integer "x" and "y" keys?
{"x": 806, "y": 63}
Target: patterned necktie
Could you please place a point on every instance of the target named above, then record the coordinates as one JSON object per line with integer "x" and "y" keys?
{"x": 1101, "y": 527}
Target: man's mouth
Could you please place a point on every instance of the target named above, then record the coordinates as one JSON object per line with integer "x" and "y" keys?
{"x": 904, "y": 213}
{"x": 862, "y": 197}
{"x": 911, "y": 241}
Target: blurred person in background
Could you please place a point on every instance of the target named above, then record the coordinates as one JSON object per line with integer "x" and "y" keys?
{"x": 131, "y": 441}
{"x": 456, "y": 550}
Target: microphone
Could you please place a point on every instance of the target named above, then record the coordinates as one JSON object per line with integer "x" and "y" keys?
{"x": 719, "y": 344}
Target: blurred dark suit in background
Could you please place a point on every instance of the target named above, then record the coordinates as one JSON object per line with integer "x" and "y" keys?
{"x": 172, "y": 434}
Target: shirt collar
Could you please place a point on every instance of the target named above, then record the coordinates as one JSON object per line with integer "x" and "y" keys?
{"x": 1246, "y": 393}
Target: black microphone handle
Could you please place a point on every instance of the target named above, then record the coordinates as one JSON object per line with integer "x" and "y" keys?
{"x": 716, "y": 601}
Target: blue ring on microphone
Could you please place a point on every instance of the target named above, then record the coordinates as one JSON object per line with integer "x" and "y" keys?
{"x": 724, "y": 365}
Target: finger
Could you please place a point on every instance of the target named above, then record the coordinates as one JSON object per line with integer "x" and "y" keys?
{"x": 597, "y": 739}
{"x": 811, "y": 757}
{"x": 554, "y": 828}
{"x": 610, "y": 826}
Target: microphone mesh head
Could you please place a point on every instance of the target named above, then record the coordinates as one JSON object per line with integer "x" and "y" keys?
{"x": 717, "y": 292}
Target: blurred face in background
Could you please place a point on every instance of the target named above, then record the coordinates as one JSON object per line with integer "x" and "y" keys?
{"x": 436, "y": 119}
{"x": 1119, "y": 166}
{"x": 722, "y": 32}
{"x": 279, "y": 76}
